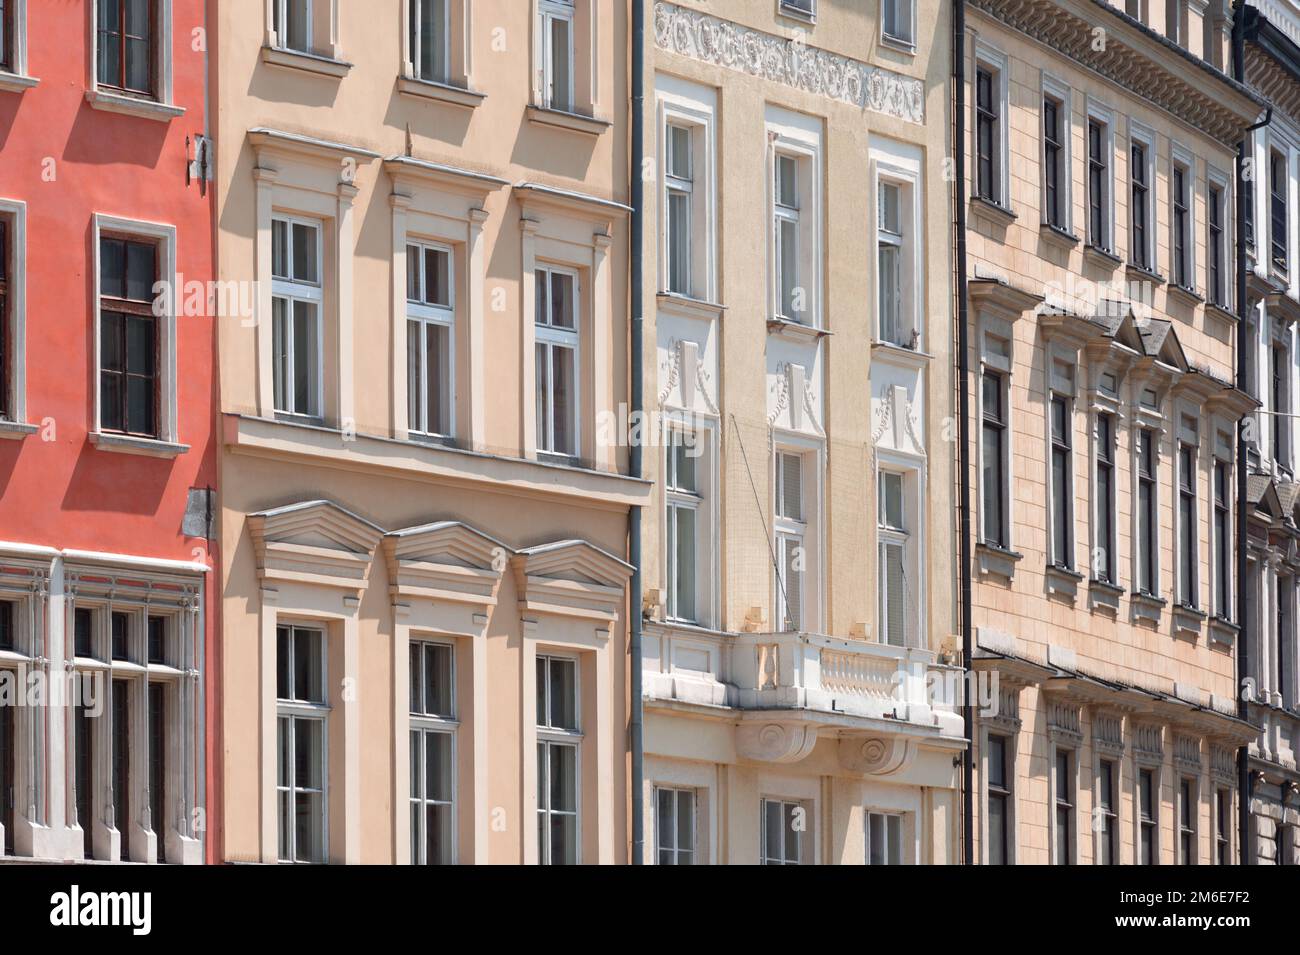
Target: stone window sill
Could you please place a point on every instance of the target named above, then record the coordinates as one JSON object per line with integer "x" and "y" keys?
{"x": 305, "y": 62}
{"x": 447, "y": 93}
{"x": 129, "y": 444}
{"x": 114, "y": 102}
{"x": 574, "y": 122}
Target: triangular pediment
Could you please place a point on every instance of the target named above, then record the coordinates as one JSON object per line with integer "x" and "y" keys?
{"x": 1160, "y": 341}
{"x": 447, "y": 542}
{"x": 575, "y": 560}
{"x": 316, "y": 524}
{"x": 571, "y": 578}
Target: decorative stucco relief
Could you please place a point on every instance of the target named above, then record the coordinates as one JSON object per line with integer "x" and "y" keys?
{"x": 780, "y": 60}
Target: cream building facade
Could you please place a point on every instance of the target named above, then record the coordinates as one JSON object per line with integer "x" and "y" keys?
{"x": 798, "y": 553}
{"x": 425, "y": 613}
{"x": 1103, "y": 319}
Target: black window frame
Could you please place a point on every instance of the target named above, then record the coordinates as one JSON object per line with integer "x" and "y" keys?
{"x": 1108, "y": 812}
{"x": 1054, "y": 172}
{"x": 1148, "y": 464}
{"x": 1097, "y": 179}
{"x": 1281, "y": 398}
{"x": 987, "y": 136}
{"x": 1063, "y": 815}
{"x": 1148, "y": 810}
{"x": 1215, "y": 289}
{"x": 1062, "y": 478}
{"x": 1186, "y": 821}
{"x": 6, "y": 247}
{"x": 1279, "y": 226}
{"x": 1104, "y": 545}
{"x": 1187, "y": 549}
{"x": 994, "y": 425}
{"x": 1180, "y": 205}
{"x": 1222, "y": 541}
{"x": 1000, "y": 790}
{"x": 1139, "y": 207}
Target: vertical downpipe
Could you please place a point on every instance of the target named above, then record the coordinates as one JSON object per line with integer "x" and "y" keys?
{"x": 963, "y": 420}
{"x": 636, "y": 376}
{"x": 1244, "y": 841}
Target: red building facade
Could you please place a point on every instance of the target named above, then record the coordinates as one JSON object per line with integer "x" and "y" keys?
{"x": 107, "y": 457}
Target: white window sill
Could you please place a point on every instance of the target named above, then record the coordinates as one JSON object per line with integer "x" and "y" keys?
{"x": 16, "y": 83}
{"x": 559, "y": 119}
{"x": 305, "y": 62}
{"x": 439, "y": 92}
{"x": 898, "y": 43}
{"x": 16, "y": 430}
{"x": 127, "y": 444}
{"x": 133, "y": 105}
{"x": 795, "y": 331}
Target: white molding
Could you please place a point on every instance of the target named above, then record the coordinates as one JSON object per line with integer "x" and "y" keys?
{"x": 16, "y": 211}
{"x": 161, "y": 106}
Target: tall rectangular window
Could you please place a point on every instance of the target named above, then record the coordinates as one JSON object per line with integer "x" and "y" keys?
{"x": 1098, "y": 185}
{"x": 1139, "y": 207}
{"x": 1278, "y": 225}
{"x": 6, "y": 377}
{"x": 433, "y": 753}
{"x": 988, "y": 137}
{"x": 302, "y": 744}
{"x": 1054, "y": 172}
{"x": 891, "y": 532}
{"x": 884, "y": 838}
{"x": 83, "y": 764}
{"x": 83, "y": 637}
{"x": 1148, "y": 529}
{"x": 6, "y": 36}
{"x": 121, "y": 768}
{"x": 8, "y": 640}
{"x": 889, "y": 264}
{"x": 429, "y": 39}
{"x": 999, "y": 771}
{"x": 292, "y": 20}
{"x": 1215, "y": 285}
{"x": 125, "y": 45}
{"x": 1248, "y": 226}
{"x": 1182, "y": 229}
{"x": 791, "y": 525}
{"x": 1281, "y": 395}
{"x": 785, "y": 215}
{"x": 1062, "y": 472}
{"x": 296, "y": 302}
{"x": 1064, "y": 828}
{"x": 1148, "y": 816}
{"x": 8, "y": 776}
{"x": 1107, "y": 816}
{"x": 783, "y": 831}
{"x": 1222, "y": 541}
{"x": 1186, "y": 822}
{"x": 558, "y": 739}
{"x": 156, "y": 641}
{"x": 121, "y": 633}
{"x": 157, "y": 757}
{"x": 128, "y": 337}
{"x": 430, "y": 337}
{"x": 679, "y": 183}
{"x": 557, "y": 53}
{"x": 1104, "y": 545}
{"x": 1187, "y": 525}
{"x": 557, "y": 361}
{"x": 993, "y": 480}
{"x": 896, "y": 20}
{"x": 682, "y": 489}
{"x": 675, "y": 826}
{"x": 1223, "y": 826}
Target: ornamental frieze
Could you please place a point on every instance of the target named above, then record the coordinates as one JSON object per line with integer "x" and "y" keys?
{"x": 709, "y": 39}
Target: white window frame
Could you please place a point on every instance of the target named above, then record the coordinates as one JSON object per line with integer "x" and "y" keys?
{"x": 899, "y": 166}
{"x": 904, "y": 16}
{"x": 1151, "y": 420}
{"x": 15, "y": 211}
{"x": 293, "y": 290}
{"x": 1065, "y": 388}
{"x": 550, "y": 337}
{"x": 903, "y": 842}
{"x": 683, "y": 186}
{"x": 996, "y": 62}
{"x": 164, "y": 236}
{"x": 161, "y": 105}
{"x": 677, "y": 499}
{"x": 1058, "y": 90}
{"x": 805, "y": 533}
{"x": 441, "y": 316}
{"x": 1100, "y": 114}
{"x": 15, "y": 77}
{"x": 548, "y": 737}
{"x": 548, "y": 12}
{"x": 798, "y": 9}
{"x": 890, "y": 537}
{"x": 1216, "y": 179}
{"x": 278, "y": 13}
{"x": 445, "y": 724}
{"x": 804, "y": 835}
{"x": 799, "y": 138}
{"x": 295, "y": 710}
{"x": 1146, "y": 138}
{"x": 692, "y": 107}
{"x": 1181, "y": 157}
{"x": 678, "y": 792}
{"x": 1223, "y": 605}
{"x": 1187, "y": 593}
{"x": 412, "y": 18}
{"x": 1001, "y": 365}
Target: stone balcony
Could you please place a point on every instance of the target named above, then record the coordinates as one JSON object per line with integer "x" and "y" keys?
{"x": 787, "y": 690}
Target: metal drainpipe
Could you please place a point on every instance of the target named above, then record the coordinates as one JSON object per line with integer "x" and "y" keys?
{"x": 636, "y": 266}
{"x": 1245, "y": 837}
{"x": 963, "y": 419}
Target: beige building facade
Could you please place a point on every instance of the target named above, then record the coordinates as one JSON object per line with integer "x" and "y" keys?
{"x": 1103, "y": 321}
{"x": 425, "y": 613}
{"x": 798, "y": 562}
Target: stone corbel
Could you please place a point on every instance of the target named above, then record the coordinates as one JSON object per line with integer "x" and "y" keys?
{"x": 876, "y": 756}
{"x": 786, "y": 741}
